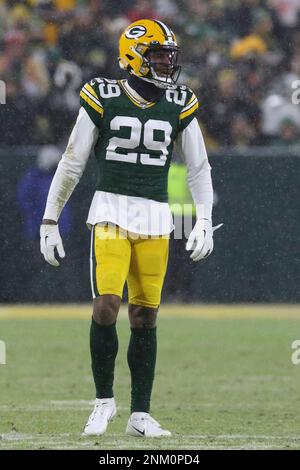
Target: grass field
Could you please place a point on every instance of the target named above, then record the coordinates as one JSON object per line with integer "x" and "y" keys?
{"x": 224, "y": 379}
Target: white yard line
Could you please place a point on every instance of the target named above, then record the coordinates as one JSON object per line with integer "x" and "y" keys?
{"x": 17, "y": 436}
{"x": 241, "y": 436}
{"x": 70, "y": 405}
{"x": 54, "y": 405}
{"x": 30, "y": 441}
{"x": 210, "y": 311}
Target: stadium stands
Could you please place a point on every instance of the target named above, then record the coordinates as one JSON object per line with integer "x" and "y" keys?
{"x": 240, "y": 57}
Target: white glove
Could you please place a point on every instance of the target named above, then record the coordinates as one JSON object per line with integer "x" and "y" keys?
{"x": 201, "y": 239}
{"x": 50, "y": 239}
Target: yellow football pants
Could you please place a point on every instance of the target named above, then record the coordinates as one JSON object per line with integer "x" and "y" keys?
{"x": 118, "y": 256}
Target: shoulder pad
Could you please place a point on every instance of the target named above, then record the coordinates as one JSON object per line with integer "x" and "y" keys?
{"x": 96, "y": 80}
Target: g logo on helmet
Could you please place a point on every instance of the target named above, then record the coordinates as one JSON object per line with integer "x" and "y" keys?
{"x": 136, "y": 32}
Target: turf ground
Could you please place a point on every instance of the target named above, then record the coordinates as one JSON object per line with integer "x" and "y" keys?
{"x": 224, "y": 379}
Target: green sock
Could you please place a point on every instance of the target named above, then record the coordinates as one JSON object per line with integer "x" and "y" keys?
{"x": 141, "y": 357}
{"x": 104, "y": 349}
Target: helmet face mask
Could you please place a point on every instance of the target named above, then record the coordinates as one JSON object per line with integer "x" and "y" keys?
{"x": 149, "y": 50}
{"x": 162, "y": 63}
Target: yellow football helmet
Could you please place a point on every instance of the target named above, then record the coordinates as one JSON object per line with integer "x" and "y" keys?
{"x": 149, "y": 50}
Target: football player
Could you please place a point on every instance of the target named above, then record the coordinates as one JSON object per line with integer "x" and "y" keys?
{"x": 132, "y": 125}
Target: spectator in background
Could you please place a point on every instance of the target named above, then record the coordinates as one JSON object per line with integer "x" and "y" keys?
{"x": 257, "y": 42}
{"x": 288, "y": 11}
{"x": 242, "y": 132}
{"x": 286, "y": 19}
{"x": 288, "y": 135}
{"x": 63, "y": 99}
{"x": 34, "y": 76}
{"x": 254, "y": 40}
{"x": 16, "y": 123}
{"x": 167, "y": 10}
{"x": 141, "y": 9}
{"x": 14, "y": 47}
{"x": 32, "y": 193}
{"x": 276, "y": 108}
{"x": 243, "y": 11}
{"x": 223, "y": 103}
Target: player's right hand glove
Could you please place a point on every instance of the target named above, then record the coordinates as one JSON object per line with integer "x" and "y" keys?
{"x": 51, "y": 239}
{"x": 201, "y": 239}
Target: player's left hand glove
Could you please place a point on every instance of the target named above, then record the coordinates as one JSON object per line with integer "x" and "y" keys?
{"x": 201, "y": 239}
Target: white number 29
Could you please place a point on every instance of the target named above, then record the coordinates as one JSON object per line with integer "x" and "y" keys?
{"x": 136, "y": 128}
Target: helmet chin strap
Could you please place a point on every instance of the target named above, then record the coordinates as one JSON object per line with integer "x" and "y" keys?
{"x": 157, "y": 83}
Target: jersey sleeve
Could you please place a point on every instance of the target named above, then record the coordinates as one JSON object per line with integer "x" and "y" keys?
{"x": 189, "y": 110}
{"x": 90, "y": 101}
{"x": 192, "y": 146}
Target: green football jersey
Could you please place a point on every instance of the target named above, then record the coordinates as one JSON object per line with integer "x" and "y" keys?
{"x": 136, "y": 139}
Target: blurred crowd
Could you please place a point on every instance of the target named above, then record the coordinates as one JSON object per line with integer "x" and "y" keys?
{"x": 242, "y": 58}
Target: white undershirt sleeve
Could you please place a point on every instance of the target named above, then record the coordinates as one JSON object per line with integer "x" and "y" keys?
{"x": 72, "y": 164}
{"x": 191, "y": 144}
